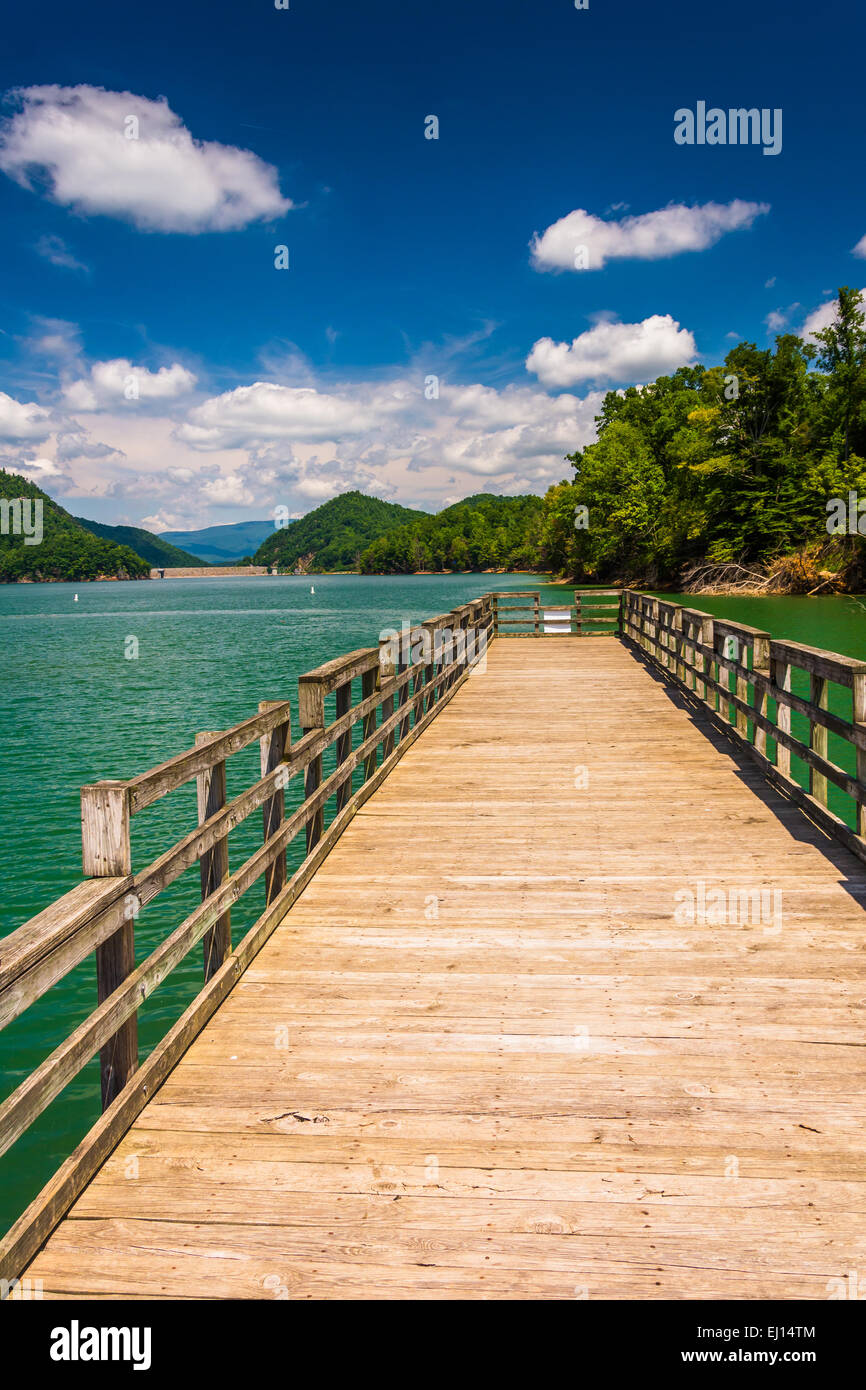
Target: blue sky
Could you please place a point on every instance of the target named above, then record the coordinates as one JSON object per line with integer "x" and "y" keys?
{"x": 151, "y": 261}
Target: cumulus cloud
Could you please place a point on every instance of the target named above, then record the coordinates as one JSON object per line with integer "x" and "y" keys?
{"x": 45, "y": 473}
{"x": 24, "y": 420}
{"x": 252, "y": 415}
{"x": 623, "y": 352}
{"x": 128, "y": 157}
{"x": 76, "y": 443}
{"x": 581, "y": 241}
{"x": 860, "y": 248}
{"x": 368, "y": 431}
{"x": 119, "y": 382}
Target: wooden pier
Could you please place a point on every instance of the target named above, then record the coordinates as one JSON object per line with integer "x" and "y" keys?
{"x": 565, "y": 1000}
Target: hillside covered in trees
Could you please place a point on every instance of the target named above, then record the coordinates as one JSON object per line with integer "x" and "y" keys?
{"x": 156, "y": 550}
{"x": 65, "y": 551}
{"x": 333, "y": 536}
{"x": 724, "y": 474}
{"x": 480, "y": 533}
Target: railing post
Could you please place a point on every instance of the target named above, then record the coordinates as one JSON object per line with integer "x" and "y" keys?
{"x": 741, "y": 686}
{"x": 818, "y": 695}
{"x": 418, "y": 677}
{"x": 782, "y": 681}
{"x": 705, "y": 663}
{"x": 677, "y": 630}
{"x": 404, "y": 661}
{"x": 858, "y": 718}
{"x": 214, "y": 863}
{"x": 761, "y": 666}
{"x": 369, "y": 686}
{"x": 430, "y": 668}
{"x": 494, "y": 600}
{"x": 106, "y": 853}
{"x": 387, "y": 669}
{"x": 272, "y": 752}
{"x": 535, "y": 613}
{"x": 344, "y": 742}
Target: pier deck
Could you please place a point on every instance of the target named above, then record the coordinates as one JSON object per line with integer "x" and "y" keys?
{"x": 484, "y": 1056}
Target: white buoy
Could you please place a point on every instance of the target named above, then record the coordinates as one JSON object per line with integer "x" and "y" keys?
{"x": 312, "y": 589}
{"x": 76, "y": 598}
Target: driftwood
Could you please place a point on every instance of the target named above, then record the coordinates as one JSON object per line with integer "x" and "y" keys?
{"x": 790, "y": 574}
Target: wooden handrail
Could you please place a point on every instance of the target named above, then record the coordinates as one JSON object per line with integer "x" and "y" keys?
{"x": 586, "y": 618}
{"x": 703, "y": 653}
{"x": 99, "y": 914}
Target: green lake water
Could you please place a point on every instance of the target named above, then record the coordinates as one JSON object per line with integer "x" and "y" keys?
{"x": 76, "y": 710}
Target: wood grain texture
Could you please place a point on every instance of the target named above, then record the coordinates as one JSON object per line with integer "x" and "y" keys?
{"x": 486, "y": 1053}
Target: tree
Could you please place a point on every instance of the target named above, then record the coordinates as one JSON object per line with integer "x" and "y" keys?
{"x": 842, "y": 355}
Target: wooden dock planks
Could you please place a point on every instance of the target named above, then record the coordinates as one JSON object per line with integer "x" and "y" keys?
{"x": 481, "y": 1057}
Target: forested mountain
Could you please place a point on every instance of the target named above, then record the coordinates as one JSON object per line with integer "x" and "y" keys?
{"x": 65, "y": 551}
{"x": 333, "y": 536}
{"x": 479, "y": 533}
{"x": 156, "y": 550}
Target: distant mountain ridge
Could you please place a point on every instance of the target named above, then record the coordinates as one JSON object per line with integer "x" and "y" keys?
{"x": 222, "y": 544}
{"x": 334, "y": 536}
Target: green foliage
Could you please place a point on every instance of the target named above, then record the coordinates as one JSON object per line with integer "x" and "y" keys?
{"x": 736, "y": 462}
{"x": 67, "y": 550}
{"x": 479, "y": 533}
{"x": 333, "y": 536}
{"x": 154, "y": 549}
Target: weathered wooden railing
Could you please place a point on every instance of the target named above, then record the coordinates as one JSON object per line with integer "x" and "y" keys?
{"x": 405, "y": 681}
{"x": 742, "y": 675}
{"x": 583, "y": 618}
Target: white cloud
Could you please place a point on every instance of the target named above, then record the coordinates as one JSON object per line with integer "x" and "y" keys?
{"x": 623, "y": 352}
{"x": 169, "y": 521}
{"x": 76, "y": 139}
{"x": 776, "y": 320}
{"x": 229, "y": 490}
{"x": 75, "y": 443}
{"x": 860, "y": 248}
{"x": 55, "y": 250}
{"x": 251, "y": 416}
{"x": 45, "y": 473}
{"x": 22, "y": 420}
{"x": 651, "y": 236}
{"x": 119, "y": 381}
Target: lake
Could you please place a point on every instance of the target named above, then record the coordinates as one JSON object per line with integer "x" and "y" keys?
{"x": 77, "y": 709}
